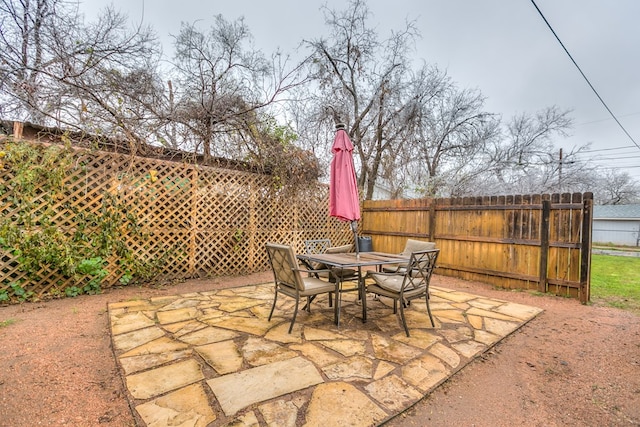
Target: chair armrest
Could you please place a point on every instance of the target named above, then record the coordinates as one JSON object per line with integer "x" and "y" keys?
{"x": 308, "y": 268}
{"x": 311, "y": 271}
{"x": 382, "y": 273}
{"x": 306, "y": 264}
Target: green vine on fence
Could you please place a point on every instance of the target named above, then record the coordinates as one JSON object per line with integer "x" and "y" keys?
{"x": 87, "y": 251}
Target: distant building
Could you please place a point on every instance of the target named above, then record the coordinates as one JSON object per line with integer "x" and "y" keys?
{"x": 617, "y": 224}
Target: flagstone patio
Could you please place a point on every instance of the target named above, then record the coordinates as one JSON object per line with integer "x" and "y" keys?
{"x": 212, "y": 358}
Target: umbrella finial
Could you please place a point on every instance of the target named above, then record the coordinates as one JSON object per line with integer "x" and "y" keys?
{"x": 340, "y": 126}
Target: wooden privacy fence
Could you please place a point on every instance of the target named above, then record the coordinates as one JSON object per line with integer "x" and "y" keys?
{"x": 198, "y": 221}
{"x": 540, "y": 242}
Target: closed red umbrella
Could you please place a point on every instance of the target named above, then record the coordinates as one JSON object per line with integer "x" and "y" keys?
{"x": 344, "y": 202}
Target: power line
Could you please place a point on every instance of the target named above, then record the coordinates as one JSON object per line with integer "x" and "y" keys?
{"x": 623, "y": 167}
{"x": 584, "y": 76}
{"x": 605, "y": 120}
{"x": 606, "y": 156}
{"x": 607, "y": 149}
{"x": 616, "y": 158}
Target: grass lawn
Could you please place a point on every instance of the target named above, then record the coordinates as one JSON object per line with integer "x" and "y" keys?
{"x": 615, "y": 281}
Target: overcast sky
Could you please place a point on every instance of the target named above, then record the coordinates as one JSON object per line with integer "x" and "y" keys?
{"x": 502, "y": 47}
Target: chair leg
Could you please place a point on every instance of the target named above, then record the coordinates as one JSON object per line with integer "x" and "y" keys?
{"x": 404, "y": 321}
{"x": 429, "y": 311}
{"x": 275, "y": 298}
{"x": 362, "y": 292}
{"x": 295, "y": 313}
{"x": 307, "y": 306}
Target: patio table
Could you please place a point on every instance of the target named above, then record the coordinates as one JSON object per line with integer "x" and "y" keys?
{"x": 353, "y": 260}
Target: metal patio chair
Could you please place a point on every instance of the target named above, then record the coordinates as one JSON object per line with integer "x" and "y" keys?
{"x": 316, "y": 246}
{"x": 410, "y": 283}
{"x": 332, "y": 274}
{"x": 289, "y": 280}
{"x": 410, "y": 246}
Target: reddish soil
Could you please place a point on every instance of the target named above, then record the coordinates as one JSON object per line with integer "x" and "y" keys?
{"x": 573, "y": 365}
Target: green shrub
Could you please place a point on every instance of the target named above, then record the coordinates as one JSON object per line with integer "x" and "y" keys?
{"x": 40, "y": 241}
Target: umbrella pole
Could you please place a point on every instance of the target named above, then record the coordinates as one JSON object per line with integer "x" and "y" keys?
{"x": 354, "y": 228}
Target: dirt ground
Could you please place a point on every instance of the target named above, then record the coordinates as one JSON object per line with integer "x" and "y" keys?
{"x": 573, "y": 365}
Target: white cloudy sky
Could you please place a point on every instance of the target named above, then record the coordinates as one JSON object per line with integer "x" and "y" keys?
{"x": 502, "y": 47}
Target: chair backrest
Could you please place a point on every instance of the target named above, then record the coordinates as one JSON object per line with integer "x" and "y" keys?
{"x": 420, "y": 268}
{"x": 339, "y": 249}
{"x": 285, "y": 266}
{"x": 323, "y": 246}
{"x": 316, "y": 246}
{"x": 413, "y": 245}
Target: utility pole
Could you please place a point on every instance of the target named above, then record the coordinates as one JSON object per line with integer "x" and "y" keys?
{"x": 560, "y": 173}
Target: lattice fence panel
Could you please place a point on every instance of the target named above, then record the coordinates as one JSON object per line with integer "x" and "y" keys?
{"x": 81, "y": 195}
{"x": 191, "y": 221}
{"x": 162, "y": 193}
{"x": 223, "y": 227}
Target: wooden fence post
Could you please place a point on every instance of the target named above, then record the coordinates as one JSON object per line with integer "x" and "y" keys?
{"x": 18, "y": 128}
{"x": 544, "y": 245}
{"x": 432, "y": 220}
{"x": 193, "y": 229}
{"x": 585, "y": 249}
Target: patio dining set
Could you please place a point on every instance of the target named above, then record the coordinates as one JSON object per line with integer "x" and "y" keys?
{"x": 326, "y": 269}
{"x": 333, "y": 270}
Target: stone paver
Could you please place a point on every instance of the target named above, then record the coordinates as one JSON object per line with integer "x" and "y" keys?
{"x": 280, "y": 413}
{"x": 425, "y": 372}
{"x": 212, "y": 358}
{"x": 222, "y": 356}
{"x": 187, "y": 406}
{"x": 157, "y": 381}
{"x": 393, "y": 393}
{"x": 355, "y": 409}
{"x": 239, "y": 390}
{"x": 136, "y": 338}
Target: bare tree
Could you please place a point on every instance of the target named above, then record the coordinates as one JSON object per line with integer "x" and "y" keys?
{"x": 223, "y": 86}
{"x": 524, "y": 159}
{"x": 365, "y": 80}
{"x": 23, "y": 38}
{"x": 616, "y": 188}
{"x": 451, "y": 131}
{"x": 412, "y": 128}
{"x": 57, "y": 70}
